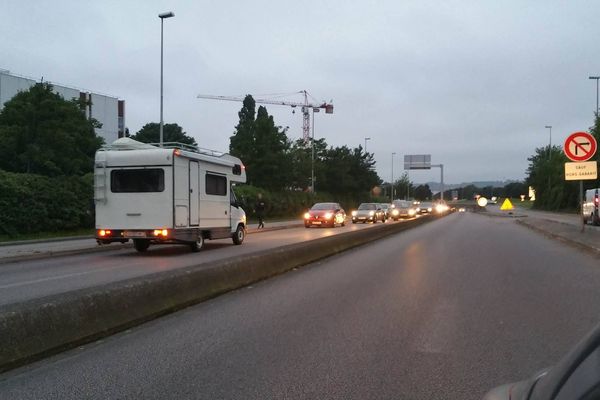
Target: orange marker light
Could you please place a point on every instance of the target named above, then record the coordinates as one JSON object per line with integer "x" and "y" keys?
{"x": 165, "y": 232}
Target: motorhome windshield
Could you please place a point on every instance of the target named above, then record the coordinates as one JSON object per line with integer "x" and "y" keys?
{"x": 137, "y": 180}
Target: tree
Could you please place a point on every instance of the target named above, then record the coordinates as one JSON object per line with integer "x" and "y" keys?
{"x": 403, "y": 187}
{"x": 42, "y": 133}
{"x": 423, "y": 192}
{"x": 546, "y": 176}
{"x": 150, "y": 133}
{"x": 262, "y": 146}
{"x": 349, "y": 171}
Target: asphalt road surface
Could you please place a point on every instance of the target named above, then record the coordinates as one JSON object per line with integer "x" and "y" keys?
{"x": 443, "y": 311}
{"x": 25, "y": 280}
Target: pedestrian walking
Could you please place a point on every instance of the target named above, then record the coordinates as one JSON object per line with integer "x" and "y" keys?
{"x": 259, "y": 208}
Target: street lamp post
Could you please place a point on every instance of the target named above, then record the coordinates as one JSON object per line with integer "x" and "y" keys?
{"x": 392, "y": 191}
{"x": 550, "y": 142}
{"x": 367, "y": 138}
{"x": 162, "y": 17}
{"x": 597, "y": 78}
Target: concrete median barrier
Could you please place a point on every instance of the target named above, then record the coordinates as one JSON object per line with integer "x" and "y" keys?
{"x": 40, "y": 327}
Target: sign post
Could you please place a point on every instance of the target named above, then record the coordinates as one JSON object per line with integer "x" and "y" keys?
{"x": 423, "y": 161}
{"x": 580, "y": 147}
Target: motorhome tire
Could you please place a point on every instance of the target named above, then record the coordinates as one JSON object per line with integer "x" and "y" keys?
{"x": 141, "y": 245}
{"x": 239, "y": 235}
{"x": 197, "y": 245}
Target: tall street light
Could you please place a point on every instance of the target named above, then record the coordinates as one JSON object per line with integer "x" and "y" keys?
{"x": 162, "y": 17}
{"x": 367, "y": 138}
{"x": 549, "y": 145}
{"x": 392, "y": 191}
{"x": 597, "y": 78}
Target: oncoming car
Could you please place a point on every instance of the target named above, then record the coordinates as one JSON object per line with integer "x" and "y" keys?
{"x": 402, "y": 209}
{"x": 426, "y": 207}
{"x": 325, "y": 214}
{"x": 368, "y": 212}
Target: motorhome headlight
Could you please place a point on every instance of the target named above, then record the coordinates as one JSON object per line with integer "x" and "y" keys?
{"x": 306, "y": 216}
{"x": 371, "y": 213}
{"x": 328, "y": 215}
{"x": 354, "y": 213}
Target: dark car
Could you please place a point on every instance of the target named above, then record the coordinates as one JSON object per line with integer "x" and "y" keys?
{"x": 575, "y": 377}
{"x": 368, "y": 212}
{"x": 325, "y": 214}
{"x": 403, "y": 209}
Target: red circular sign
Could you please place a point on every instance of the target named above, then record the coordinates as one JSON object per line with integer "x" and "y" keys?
{"x": 580, "y": 146}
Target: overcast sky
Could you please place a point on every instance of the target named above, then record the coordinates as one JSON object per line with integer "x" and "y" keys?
{"x": 473, "y": 83}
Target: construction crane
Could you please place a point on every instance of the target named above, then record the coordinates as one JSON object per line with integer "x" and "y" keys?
{"x": 305, "y": 107}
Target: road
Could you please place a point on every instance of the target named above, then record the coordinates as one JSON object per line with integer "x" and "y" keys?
{"x": 25, "y": 280}
{"x": 443, "y": 311}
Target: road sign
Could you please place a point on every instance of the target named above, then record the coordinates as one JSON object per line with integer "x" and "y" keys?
{"x": 575, "y": 171}
{"x": 417, "y": 161}
{"x": 580, "y": 146}
{"x": 507, "y": 205}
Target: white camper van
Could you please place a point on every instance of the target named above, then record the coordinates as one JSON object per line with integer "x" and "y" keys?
{"x": 173, "y": 194}
{"x": 590, "y": 206}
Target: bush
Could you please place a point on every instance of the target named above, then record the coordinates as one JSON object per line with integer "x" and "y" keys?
{"x": 34, "y": 203}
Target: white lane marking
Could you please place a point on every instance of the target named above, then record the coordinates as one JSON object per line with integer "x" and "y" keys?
{"x": 438, "y": 332}
{"x": 53, "y": 278}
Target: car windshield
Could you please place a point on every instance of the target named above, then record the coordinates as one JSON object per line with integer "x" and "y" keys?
{"x": 324, "y": 206}
{"x": 367, "y": 206}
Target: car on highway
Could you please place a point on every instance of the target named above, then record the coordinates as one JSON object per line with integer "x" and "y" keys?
{"x": 402, "y": 209}
{"x": 441, "y": 207}
{"x": 368, "y": 212}
{"x": 591, "y": 205}
{"x": 386, "y": 207}
{"x": 575, "y": 377}
{"x": 425, "y": 207}
{"x": 325, "y": 214}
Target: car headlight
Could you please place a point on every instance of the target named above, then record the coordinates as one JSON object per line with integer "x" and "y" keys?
{"x": 428, "y": 209}
{"x": 328, "y": 215}
{"x": 411, "y": 212}
{"x": 354, "y": 213}
{"x": 440, "y": 208}
{"x": 395, "y": 212}
{"x": 306, "y": 215}
{"x": 371, "y": 213}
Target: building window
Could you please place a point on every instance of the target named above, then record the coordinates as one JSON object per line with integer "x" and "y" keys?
{"x": 216, "y": 185}
{"x": 137, "y": 180}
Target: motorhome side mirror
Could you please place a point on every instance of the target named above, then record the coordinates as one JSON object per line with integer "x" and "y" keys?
{"x": 237, "y": 169}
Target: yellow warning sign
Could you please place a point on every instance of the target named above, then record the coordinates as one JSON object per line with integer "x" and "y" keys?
{"x": 506, "y": 205}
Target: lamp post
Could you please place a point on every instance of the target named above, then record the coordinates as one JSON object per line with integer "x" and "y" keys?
{"x": 550, "y": 142}
{"x": 367, "y": 138}
{"x": 392, "y": 191}
{"x": 162, "y": 17}
{"x": 597, "y": 78}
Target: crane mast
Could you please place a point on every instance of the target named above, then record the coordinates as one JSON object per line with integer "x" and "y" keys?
{"x": 304, "y": 106}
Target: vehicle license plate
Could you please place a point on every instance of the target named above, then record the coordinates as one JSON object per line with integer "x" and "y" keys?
{"x": 135, "y": 234}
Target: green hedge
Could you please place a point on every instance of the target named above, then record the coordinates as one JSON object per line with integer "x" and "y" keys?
{"x": 34, "y": 203}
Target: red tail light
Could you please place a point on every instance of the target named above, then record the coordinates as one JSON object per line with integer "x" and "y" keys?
{"x": 596, "y": 200}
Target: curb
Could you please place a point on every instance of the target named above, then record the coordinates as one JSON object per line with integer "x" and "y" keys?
{"x": 40, "y": 327}
{"x": 560, "y": 238}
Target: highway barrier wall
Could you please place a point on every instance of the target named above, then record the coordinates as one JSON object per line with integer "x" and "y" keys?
{"x": 37, "y": 328}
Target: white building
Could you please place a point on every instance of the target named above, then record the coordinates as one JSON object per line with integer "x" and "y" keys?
{"x": 108, "y": 110}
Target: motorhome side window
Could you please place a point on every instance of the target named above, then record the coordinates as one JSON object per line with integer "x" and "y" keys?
{"x": 216, "y": 185}
{"x": 137, "y": 180}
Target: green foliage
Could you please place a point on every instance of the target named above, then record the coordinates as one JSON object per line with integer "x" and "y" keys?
{"x": 34, "y": 203}
{"x": 42, "y": 133}
{"x": 403, "y": 187}
{"x": 150, "y": 133}
{"x": 423, "y": 192}
{"x": 262, "y": 146}
{"x": 546, "y": 176}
